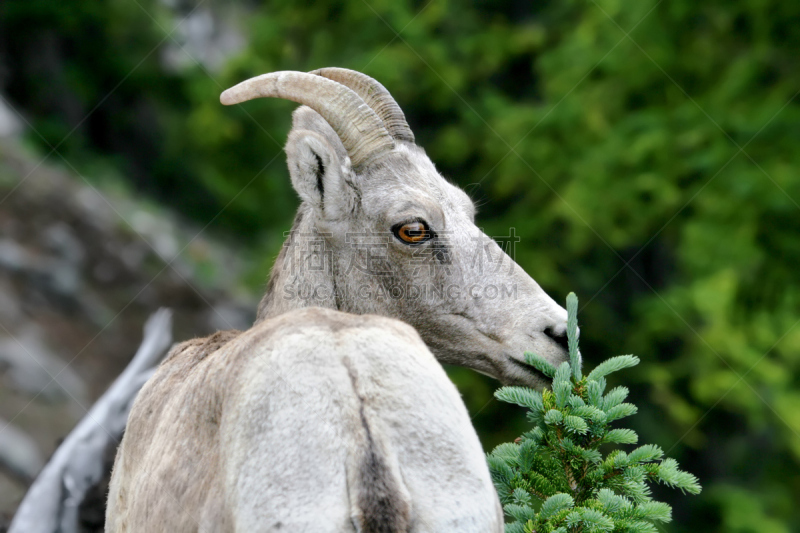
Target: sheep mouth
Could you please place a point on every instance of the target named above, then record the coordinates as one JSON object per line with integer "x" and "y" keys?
{"x": 528, "y": 369}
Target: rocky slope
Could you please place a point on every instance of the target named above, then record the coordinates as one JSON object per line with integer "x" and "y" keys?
{"x": 81, "y": 268}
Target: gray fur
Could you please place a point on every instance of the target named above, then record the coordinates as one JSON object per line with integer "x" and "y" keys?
{"x": 487, "y": 334}
{"x": 340, "y": 420}
{"x": 314, "y": 421}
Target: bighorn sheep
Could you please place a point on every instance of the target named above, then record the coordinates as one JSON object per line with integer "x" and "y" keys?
{"x": 335, "y": 419}
{"x": 381, "y": 231}
{"x": 314, "y": 421}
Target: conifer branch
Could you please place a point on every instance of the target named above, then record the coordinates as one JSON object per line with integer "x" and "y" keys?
{"x": 554, "y": 479}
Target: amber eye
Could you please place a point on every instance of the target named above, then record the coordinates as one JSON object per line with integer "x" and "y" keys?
{"x": 412, "y": 232}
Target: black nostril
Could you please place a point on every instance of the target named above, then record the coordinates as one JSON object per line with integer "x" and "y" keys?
{"x": 558, "y": 337}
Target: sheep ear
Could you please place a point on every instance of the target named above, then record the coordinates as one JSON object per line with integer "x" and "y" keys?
{"x": 318, "y": 175}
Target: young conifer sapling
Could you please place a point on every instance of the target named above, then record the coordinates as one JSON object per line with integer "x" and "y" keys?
{"x": 555, "y": 478}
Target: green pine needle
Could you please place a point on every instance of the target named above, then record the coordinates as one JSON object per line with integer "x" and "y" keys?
{"x": 522, "y": 396}
{"x": 539, "y": 363}
{"x": 556, "y": 479}
{"x": 555, "y": 504}
{"x": 572, "y": 335}
{"x": 613, "y": 365}
{"x": 621, "y": 436}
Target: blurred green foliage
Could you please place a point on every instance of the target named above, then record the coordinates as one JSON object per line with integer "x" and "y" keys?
{"x": 645, "y": 151}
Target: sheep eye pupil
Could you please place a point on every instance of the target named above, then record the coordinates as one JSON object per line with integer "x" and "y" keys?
{"x": 413, "y": 232}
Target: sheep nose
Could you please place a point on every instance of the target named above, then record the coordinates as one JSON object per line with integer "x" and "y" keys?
{"x": 558, "y": 335}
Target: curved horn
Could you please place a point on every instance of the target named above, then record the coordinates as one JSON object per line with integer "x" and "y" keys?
{"x": 361, "y": 131}
{"x": 376, "y": 96}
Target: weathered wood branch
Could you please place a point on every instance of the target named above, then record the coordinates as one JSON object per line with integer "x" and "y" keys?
{"x": 52, "y": 502}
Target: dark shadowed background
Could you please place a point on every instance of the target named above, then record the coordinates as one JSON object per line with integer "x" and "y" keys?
{"x": 644, "y": 151}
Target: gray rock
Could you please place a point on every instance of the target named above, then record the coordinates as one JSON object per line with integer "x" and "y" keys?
{"x": 10, "y": 123}
{"x": 31, "y": 367}
{"x": 62, "y": 241}
{"x": 10, "y": 308}
{"x": 52, "y": 503}
{"x": 19, "y": 453}
{"x": 14, "y": 257}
